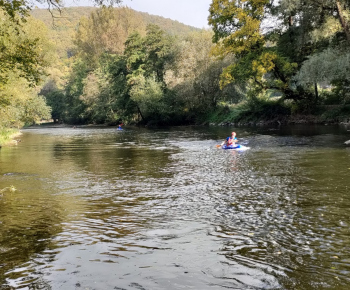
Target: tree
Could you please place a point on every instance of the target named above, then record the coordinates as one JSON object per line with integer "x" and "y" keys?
{"x": 159, "y": 52}
{"x": 21, "y": 104}
{"x": 268, "y": 57}
{"x": 317, "y": 37}
{"x": 23, "y": 49}
{"x": 146, "y": 61}
{"x": 195, "y": 75}
{"x": 25, "y": 53}
{"x": 17, "y": 50}
{"x": 106, "y": 31}
{"x": 56, "y": 101}
{"x": 147, "y": 94}
{"x": 237, "y": 31}
{"x": 75, "y": 108}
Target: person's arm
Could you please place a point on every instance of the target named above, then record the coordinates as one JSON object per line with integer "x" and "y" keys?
{"x": 224, "y": 142}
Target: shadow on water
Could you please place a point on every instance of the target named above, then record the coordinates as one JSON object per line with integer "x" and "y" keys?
{"x": 165, "y": 209}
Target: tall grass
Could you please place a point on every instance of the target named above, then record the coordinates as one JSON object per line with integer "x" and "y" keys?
{"x": 335, "y": 113}
{"x": 6, "y": 135}
{"x": 250, "y": 110}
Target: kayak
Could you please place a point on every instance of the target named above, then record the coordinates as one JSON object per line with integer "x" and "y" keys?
{"x": 235, "y": 147}
{"x": 231, "y": 146}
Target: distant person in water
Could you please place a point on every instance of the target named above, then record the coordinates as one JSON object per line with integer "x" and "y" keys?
{"x": 120, "y": 127}
{"x": 230, "y": 140}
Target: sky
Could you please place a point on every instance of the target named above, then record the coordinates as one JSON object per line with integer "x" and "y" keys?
{"x": 190, "y": 12}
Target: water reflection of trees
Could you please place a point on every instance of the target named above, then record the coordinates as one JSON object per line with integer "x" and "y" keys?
{"x": 29, "y": 220}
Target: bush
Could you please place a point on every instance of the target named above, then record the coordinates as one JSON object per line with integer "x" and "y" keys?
{"x": 252, "y": 110}
{"x": 5, "y": 135}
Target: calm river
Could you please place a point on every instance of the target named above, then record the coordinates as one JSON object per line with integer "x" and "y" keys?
{"x": 144, "y": 209}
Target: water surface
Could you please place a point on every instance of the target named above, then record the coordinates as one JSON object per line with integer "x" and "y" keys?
{"x": 97, "y": 208}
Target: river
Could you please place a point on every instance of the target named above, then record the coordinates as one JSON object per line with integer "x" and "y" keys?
{"x": 97, "y": 208}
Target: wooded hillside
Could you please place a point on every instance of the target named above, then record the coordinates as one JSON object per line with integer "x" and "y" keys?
{"x": 62, "y": 26}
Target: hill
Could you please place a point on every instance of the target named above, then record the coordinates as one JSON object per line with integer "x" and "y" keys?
{"x": 62, "y": 25}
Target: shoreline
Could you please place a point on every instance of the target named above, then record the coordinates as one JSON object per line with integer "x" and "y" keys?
{"x": 284, "y": 121}
{"x": 9, "y": 138}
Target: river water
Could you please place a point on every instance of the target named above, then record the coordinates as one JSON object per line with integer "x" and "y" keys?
{"x": 97, "y": 208}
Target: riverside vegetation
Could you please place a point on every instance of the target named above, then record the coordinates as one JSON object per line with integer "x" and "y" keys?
{"x": 260, "y": 62}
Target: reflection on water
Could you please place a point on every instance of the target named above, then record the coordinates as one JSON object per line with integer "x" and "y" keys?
{"x": 165, "y": 209}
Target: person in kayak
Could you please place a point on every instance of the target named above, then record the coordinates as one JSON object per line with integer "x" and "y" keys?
{"x": 230, "y": 140}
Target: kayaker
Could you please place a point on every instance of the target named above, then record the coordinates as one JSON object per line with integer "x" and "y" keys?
{"x": 230, "y": 140}
{"x": 120, "y": 127}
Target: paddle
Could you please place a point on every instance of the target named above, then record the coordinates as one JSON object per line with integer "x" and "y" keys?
{"x": 218, "y": 146}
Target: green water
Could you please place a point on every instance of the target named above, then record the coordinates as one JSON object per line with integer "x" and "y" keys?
{"x": 97, "y": 208}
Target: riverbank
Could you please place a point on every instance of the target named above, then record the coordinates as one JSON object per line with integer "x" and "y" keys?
{"x": 8, "y": 135}
{"x": 274, "y": 113}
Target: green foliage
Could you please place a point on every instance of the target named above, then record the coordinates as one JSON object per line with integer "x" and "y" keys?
{"x": 25, "y": 53}
{"x": 233, "y": 22}
{"x": 237, "y": 30}
{"x": 336, "y": 113}
{"x": 146, "y": 60}
{"x": 305, "y": 46}
{"x": 126, "y": 70}
{"x": 88, "y": 34}
{"x": 147, "y": 93}
{"x": 263, "y": 109}
{"x": 56, "y": 101}
{"x": 14, "y": 9}
{"x": 327, "y": 66}
{"x": 159, "y": 52}
{"x": 123, "y": 106}
{"x": 23, "y": 49}
{"x": 62, "y": 27}
{"x": 105, "y": 31}
{"x": 75, "y": 108}
{"x": 158, "y": 79}
{"x": 5, "y": 134}
{"x": 195, "y": 76}
{"x": 251, "y": 110}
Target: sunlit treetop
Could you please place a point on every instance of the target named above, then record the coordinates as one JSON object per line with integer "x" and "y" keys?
{"x": 236, "y": 24}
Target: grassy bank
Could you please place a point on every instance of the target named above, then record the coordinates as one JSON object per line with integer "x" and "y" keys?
{"x": 7, "y": 135}
{"x": 270, "y": 111}
{"x": 250, "y": 112}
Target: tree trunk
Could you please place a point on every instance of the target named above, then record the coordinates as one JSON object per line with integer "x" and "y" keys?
{"x": 316, "y": 93}
{"x": 343, "y": 21}
{"x": 140, "y": 113}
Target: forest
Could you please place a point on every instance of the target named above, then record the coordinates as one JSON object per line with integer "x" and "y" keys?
{"x": 260, "y": 61}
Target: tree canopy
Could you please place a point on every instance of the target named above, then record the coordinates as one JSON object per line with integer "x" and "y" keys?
{"x": 272, "y": 41}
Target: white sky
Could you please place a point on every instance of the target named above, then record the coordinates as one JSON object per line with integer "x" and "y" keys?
{"x": 190, "y": 12}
